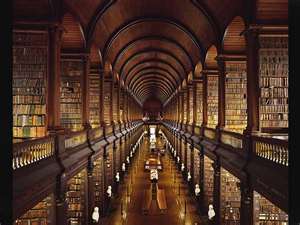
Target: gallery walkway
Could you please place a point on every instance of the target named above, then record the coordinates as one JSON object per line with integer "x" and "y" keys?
{"x": 130, "y": 196}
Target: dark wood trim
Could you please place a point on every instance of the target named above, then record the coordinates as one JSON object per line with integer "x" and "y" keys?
{"x": 150, "y": 51}
{"x": 150, "y": 38}
{"x": 154, "y": 60}
{"x": 155, "y": 70}
{"x": 129, "y": 24}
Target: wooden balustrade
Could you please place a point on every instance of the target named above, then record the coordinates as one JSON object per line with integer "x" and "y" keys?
{"x": 272, "y": 149}
{"x": 232, "y": 139}
{"x": 210, "y": 133}
{"x": 29, "y": 152}
{"x": 75, "y": 139}
{"x": 197, "y": 130}
{"x": 96, "y": 133}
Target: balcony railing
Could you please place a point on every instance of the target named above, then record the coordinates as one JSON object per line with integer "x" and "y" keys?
{"x": 29, "y": 152}
{"x": 96, "y": 133}
{"x": 210, "y": 133}
{"x": 75, "y": 139}
{"x": 272, "y": 149}
{"x": 232, "y": 139}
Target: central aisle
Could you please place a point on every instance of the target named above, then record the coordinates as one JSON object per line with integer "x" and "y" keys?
{"x": 130, "y": 196}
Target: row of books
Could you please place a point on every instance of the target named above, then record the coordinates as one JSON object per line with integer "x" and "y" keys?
{"x": 277, "y": 108}
{"x": 28, "y": 132}
{"x": 28, "y": 90}
{"x": 28, "y": 82}
{"x": 29, "y": 109}
{"x": 274, "y": 82}
{"x": 276, "y": 92}
{"x": 29, "y": 39}
{"x": 274, "y": 123}
{"x": 28, "y": 99}
{"x": 21, "y": 69}
{"x": 28, "y": 120}
{"x": 274, "y": 116}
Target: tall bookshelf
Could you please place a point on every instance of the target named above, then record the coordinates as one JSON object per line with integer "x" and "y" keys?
{"x": 107, "y": 102}
{"x": 273, "y": 83}
{"x": 188, "y": 157}
{"x": 236, "y": 96}
{"x": 109, "y": 174}
{"x": 196, "y": 166}
{"x": 29, "y": 84}
{"x": 76, "y": 198}
{"x": 94, "y": 98}
{"x": 98, "y": 179}
{"x": 185, "y": 102}
{"x": 122, "y": 105}
{"x": 208, "y": 181}
{"x": 70, "y": 94}
{"x": 191, "y": 105}
{"x": 40, "y": 214}
{"x": 199, "y": 103}
{"x": 266, "y": 213}
{"x": 212, "y": 101}
{"x": 115, "y": 104}
{"x": 230, "y": 198}
{"x": 182, "y": 151}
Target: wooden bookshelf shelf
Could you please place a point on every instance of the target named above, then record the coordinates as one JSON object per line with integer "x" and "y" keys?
{"x": 199, "y": 103}
{"x": 70, "y": 97}
{"x": 40, "y": 214}
{"x": 94, "y": 99}
{"x": 29, "y": 90}
{"x": 265, "y": 212}
{"x": 76, "y": 198}
{"x": 197, "y": 166}
{"x": 212, "y": 101}
{"x": 208, "y": 181}
{"x": 230, "y": 198}
{"x": 236, "y": 96}
{"x": 273, "y": 82}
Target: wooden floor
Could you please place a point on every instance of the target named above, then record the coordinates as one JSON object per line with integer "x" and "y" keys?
{"x": 130, "y": 197}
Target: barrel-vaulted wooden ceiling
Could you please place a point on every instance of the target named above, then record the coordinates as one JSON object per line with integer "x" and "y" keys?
{"x": 153, "y": 44}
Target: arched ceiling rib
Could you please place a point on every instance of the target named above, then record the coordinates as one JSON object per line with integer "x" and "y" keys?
{"x": 163, "y": 40}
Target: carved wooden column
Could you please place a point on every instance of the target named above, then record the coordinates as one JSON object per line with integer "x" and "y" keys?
{"x": 85, "y": 92}
{"x": 246, "y": 211}
{"x": 54, "y": 77}
{"x": 221, "y": 95}
{"x": 101, "y": 97}
{"x": 252, "y": 81}
{"x": 216, "y": 192}
{"x": 61, "y": 184}
{"x": 204, "y": 122}
{"x": 91, "y": 193}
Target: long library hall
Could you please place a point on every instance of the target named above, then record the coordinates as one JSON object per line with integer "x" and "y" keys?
{"x": 150, "y": 112}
